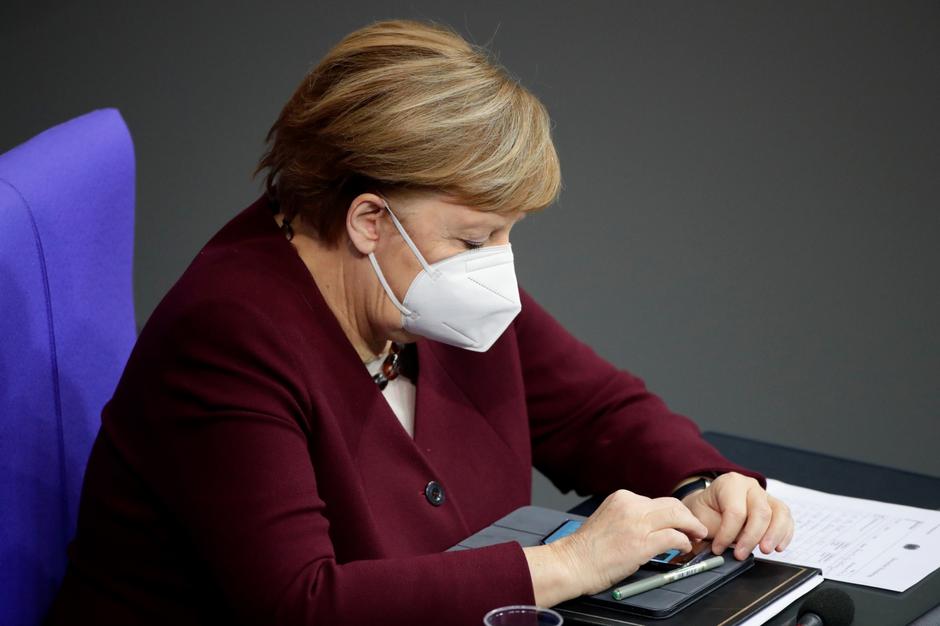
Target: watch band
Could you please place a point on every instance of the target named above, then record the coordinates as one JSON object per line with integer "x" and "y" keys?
{"x": 695, "y": 485}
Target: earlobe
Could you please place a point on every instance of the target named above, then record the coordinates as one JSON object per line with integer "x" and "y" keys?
{"x": 363, "y": 220}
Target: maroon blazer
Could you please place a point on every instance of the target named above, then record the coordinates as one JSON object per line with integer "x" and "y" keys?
{"x": 248, "y": 470}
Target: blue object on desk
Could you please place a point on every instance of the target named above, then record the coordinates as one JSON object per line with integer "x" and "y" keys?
{"x": 567, "y": 528}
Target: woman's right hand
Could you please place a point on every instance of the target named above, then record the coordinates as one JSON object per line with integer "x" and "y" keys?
{"x": 624, "y": 532}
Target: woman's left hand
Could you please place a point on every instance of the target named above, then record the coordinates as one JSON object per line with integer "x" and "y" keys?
{"x": 736, "y": 509}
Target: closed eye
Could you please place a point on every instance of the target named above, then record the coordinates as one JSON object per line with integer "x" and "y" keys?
{"x": 472, "y": 245}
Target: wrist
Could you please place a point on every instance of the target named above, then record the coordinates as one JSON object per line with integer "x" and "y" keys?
{"x": 692, "y": 485}
{"x": 566, "y": 554}
{"x": 554, "y": 576}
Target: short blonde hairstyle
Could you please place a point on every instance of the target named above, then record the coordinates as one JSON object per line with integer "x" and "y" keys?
{"x": 403, "y": 105}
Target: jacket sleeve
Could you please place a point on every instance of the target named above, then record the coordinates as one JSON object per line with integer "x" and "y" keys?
{"x": 595, "y": 428}
{"x": 229, "y": 457}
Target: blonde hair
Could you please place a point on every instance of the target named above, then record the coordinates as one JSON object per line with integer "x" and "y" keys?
{"x": 403, "y": 105}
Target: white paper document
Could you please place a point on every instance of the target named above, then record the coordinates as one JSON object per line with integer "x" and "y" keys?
{"x": 864, "y": 542}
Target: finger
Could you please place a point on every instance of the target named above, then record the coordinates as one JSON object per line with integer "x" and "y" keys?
{"x": 786, "y": 541}
{"x": 780, "y": 524}
{"x": 668, "y": 539}
{"x": 759, "y": 515}
{"x": 732, "y": 503}
{"x": 708, "y": 516}
{"x": 670, "y": 513}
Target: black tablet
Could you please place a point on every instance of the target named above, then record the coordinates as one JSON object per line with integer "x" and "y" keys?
{"x": 533, "y": 525}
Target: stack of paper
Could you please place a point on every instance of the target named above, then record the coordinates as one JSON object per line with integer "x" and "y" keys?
{"x": 864, "y": 542}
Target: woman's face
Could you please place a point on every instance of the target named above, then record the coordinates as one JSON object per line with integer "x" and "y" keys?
{"x": 440, "y": 228}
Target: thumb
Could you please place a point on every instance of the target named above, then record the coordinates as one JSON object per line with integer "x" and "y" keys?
{"x": 706, "y": 513}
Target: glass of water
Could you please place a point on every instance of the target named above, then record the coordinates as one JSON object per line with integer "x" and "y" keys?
{"x": 522, "y": 615}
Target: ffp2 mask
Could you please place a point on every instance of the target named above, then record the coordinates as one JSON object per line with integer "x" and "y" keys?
{"x": 466, "y": 300}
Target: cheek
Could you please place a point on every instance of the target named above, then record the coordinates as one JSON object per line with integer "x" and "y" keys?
{"x": 402, "y": 271}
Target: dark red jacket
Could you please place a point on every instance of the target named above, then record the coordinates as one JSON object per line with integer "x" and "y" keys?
{"x": 248, "y": 470}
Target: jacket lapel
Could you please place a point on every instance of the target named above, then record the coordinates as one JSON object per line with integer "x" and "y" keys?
{"x": 455, "y": 433}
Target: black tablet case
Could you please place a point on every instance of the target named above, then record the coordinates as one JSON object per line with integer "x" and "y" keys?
{"x": 669, "y": 599}
{"x": 728, "y": 605}
{"x": 706, "y": 591}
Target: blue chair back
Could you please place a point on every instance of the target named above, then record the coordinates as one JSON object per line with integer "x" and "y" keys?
{"x": 66, "y": 330}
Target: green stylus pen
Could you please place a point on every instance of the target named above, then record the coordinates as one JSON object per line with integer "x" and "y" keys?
{"x": 665, "y": 578}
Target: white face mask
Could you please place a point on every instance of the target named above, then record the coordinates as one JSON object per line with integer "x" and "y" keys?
{"x": 466, "y": 300}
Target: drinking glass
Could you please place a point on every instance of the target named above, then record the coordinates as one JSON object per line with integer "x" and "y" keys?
{"x": 522, "y": 615}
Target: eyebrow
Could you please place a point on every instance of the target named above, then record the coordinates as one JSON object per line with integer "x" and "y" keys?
{"x": 483, "y": 220}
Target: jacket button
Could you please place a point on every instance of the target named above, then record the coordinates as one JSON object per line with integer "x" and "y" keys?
{"x": 434, "y": 493}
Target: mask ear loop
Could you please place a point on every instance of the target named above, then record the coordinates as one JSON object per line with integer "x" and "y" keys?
{"x": 378, "y": 270}
{"x": 388, "y": 289}
{"x": 411, "y": 244}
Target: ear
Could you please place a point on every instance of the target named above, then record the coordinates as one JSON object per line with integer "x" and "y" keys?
{"x": 363, "y": 220}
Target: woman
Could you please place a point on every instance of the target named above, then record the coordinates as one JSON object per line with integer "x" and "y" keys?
{"x": 347, "y": 381}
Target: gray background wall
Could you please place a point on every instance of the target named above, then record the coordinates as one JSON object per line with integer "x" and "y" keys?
{"x": 750, "y": 212}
